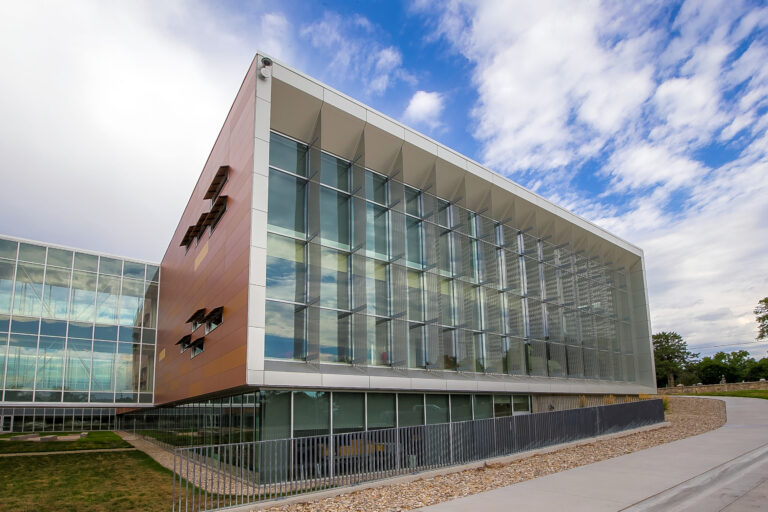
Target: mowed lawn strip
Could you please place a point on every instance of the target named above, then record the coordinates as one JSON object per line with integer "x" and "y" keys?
{"x": 85, "y": 482}
{"x": 747, "y": 393}
{"x": 93, "y": 441}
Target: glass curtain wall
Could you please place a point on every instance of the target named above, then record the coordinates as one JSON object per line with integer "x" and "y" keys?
{"x": 75, "y": 327}
{"x": 278, "y": 414}
{"x": 363, "y": 269}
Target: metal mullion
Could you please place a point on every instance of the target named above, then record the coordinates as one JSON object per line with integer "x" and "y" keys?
{"x": 39, "y": 324}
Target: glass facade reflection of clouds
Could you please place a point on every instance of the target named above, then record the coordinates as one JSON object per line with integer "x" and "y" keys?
{"x": 390, "y": 275}
{"x": 75, "y": 327}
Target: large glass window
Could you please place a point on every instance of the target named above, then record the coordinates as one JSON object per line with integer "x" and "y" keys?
{"x": 83, "y": 297}
{"x": 150, "y": 306}
{"x": 286, "y": 270}
{"x": 444, "y": 252}
{"x": 377, "y": 287}
{"x": 284, "y": 338}
{"x": 410, "y": 410}
{"x": 87, "y": 262}
{"x": 108, "y": 292}
{"x": 287, "y": 154}
{"x": 376, "y": 231}
{"x": 22, "y": 354}
{"x": 416, "y": 351}
{"x": 8, "y": 249}
{"x": 415, "y": 296}
{"x": 443, "y": 213}
{"x": 447, "y": 310}
{"x": 412, "y": 201}
{"x": 334, "y": 280}
{"x": 275, "y": 415}
{"x": 56, "y": 294}
{"x": 381, "y": 410}
{"x": 29, "y": 289}
{"x": 6, "y": 285}
{"x": 103, "y": 376}
{"x": 31, "y": 253}
{"x": 59, "y": 258}
{"x": 126, "y": 370}
{"x": 348, "y": 412}
{"x": 78, "y": 369}
{"x": 133, "y": 270}
{"x": 413, "y": 243}
{"x": 311, "y": 413}
{"x": 461, "y": 407}
{"x": 483, "y": 406}
{"x": 50, "y": 363}
{"x": 286, "y": 204}
{"x": 521, "y": 403}
{"x": 378, "y": 341}
{"x": 376, "y": 187}
{"x": 110, "y": 266}
{"x": 437, "y": 409}
{"x": 334, "y": 172}
{"x": 502, "y": 405}
{"x": 334, "y": 221}
{"x": 147, "y": 370}
{"x": 334, "y": 337}
{"x": 131, "y": 302}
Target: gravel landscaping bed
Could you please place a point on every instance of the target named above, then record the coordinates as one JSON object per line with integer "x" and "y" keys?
{"x": 688, "y": 417}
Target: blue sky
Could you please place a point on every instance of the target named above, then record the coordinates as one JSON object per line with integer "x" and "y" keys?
{"x": 648, "y": 118}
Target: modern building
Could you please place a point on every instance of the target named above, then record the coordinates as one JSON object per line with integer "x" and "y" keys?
{"x": 335, "y": 270}
{"x": 77, "y": 336}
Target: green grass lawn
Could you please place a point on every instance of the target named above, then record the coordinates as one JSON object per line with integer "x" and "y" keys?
{"x": 85, "y": 482}
{"x": 750, "y": 393}
{"x": 94, "y": 441}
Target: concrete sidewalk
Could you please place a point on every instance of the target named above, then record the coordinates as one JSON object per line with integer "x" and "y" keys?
{"x": 725, "y": 469}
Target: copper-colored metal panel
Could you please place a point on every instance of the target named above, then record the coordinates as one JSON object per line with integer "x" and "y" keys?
{"x": 213, "y": 272}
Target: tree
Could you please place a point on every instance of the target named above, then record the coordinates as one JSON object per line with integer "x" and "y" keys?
{"x": 711, "y": 370}
{"x": 758, "y": 370}
{"x": 736, "y": 364}
{"x": 672, "y": 357}
{"x": 761, "y": 315}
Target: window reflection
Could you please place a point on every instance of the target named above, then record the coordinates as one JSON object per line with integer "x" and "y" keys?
{"x": 334, "y": 222}
{"x": 334, "y": 279}
{"x": 286, "y": 204}
{"x": 29, "y": 290}
{"x": 334, "y": 337}
{"x": 6, "y": 285}
{"x": 56, "y": 294}
{"x": 285, "y": 268}
{"x": 108, "y": 291}
{"x": 50, "y": 363}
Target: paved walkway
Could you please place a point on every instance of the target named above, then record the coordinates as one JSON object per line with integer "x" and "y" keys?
{"x": 725, "y": 469}
{"x": 63, "y": 452}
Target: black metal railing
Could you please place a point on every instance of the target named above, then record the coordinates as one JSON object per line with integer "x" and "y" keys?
{"x": 215, "y": 477}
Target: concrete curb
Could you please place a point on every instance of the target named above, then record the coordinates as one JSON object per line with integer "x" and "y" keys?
{"x": 309, "y": 497}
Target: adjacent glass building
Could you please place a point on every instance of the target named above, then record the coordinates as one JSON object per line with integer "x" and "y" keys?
{"x": 75, "y": 327}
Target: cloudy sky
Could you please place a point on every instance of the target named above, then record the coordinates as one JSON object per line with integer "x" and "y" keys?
{"x": 648, "y": 118}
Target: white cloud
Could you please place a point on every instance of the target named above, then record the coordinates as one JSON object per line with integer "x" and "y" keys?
{"x": 643, "y": 165}
{"x": 356, "y": 57}
{"x": 109, "y": 111}
{"x": 548, "y": 87}
{"x": 560, "y": 83}
{"x": 424, "y": 109}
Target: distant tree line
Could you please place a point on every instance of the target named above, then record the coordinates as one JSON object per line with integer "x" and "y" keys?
{"x": 675, "y": 364}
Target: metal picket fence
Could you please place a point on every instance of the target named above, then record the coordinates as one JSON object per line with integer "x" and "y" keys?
{"x": 216, "y": 477}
